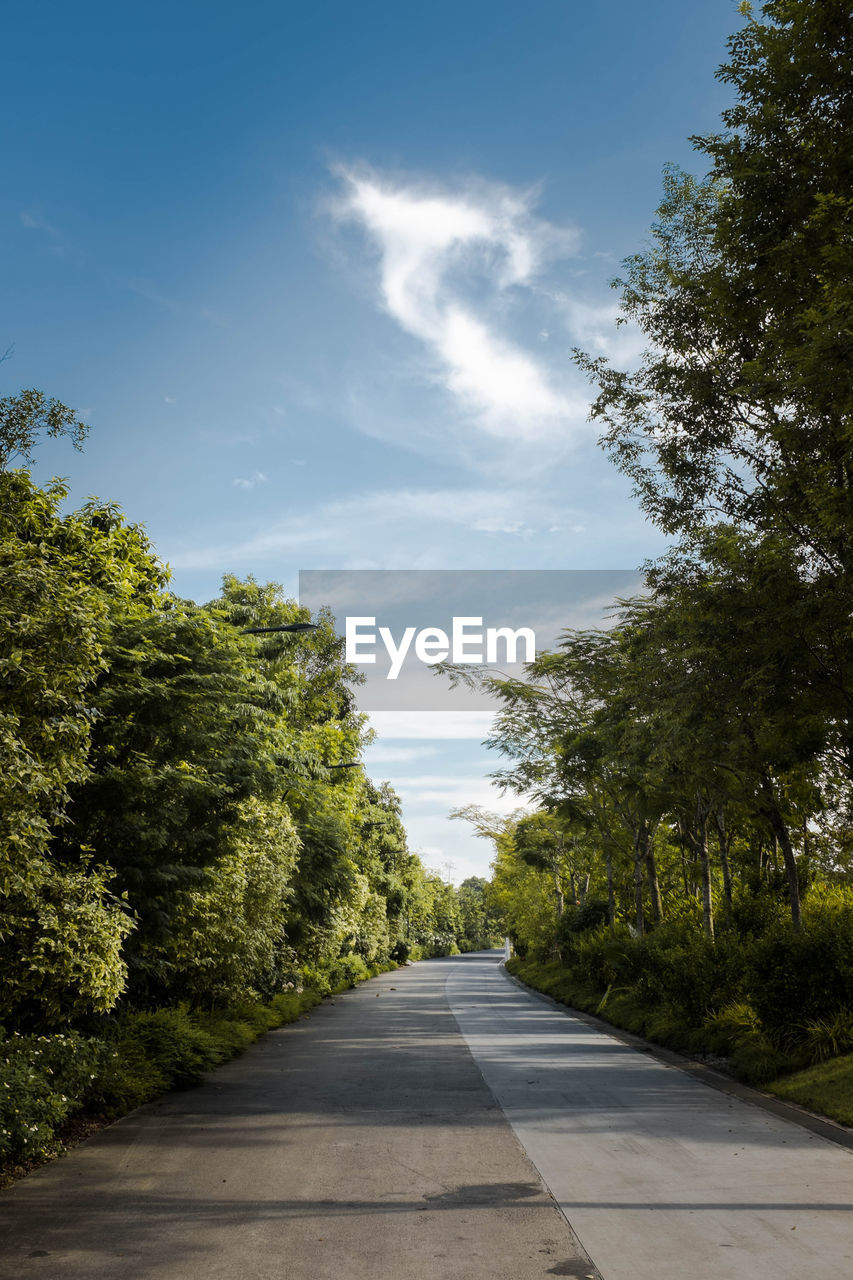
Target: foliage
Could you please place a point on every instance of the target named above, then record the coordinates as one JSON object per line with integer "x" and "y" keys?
{"x": 479, "y": 923}
{"x": 27, "y": 415}
{"x": 805, "y": 977}
{"x": 43, "y": 1080}
{"x": 766, "y": 1003}
{"x": 123, "y": 1062}
{"x": 742, "y": 402}
{"x": 182, "y": 737}
{"x": 229, "y": 934}
{"x": 60, "y": 577}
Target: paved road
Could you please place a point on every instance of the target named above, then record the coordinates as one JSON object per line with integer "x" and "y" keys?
{"x": 359, "y": 1144}
{"x": 367, "y": 1142}
{"x": 662, "y": 1177}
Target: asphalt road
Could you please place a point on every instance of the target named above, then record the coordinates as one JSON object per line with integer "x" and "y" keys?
{"x": 382, "y": 1137}
{"x": 359, "y": 1143}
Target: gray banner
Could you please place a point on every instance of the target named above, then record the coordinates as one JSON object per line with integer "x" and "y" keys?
{"x": 399, "y": 624}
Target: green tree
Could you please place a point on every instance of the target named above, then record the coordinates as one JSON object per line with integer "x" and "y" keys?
{"x": 60, "y": 578}
{"x": 479, "y": 921}
{"x": 319, "y": 730}
{"x": 742, "y": 403}
{"x": 26, "y": 416}
{"x": 185, "y": 732}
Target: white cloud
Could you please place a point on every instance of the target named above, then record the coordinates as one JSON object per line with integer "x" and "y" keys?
{"x": 593, "y": 328}
{"x": 379, "y": 753}
{"x": 146, "y": 289}
{"x": 411, "y": 529}
{"x": 257, "y": 477}
{"x": 435, "y": 529}
{"x": 451, "y": 266}
{"x": 431, "y": 725}
{"x": 37, "y": 222}
{"x": 452, "y": 791}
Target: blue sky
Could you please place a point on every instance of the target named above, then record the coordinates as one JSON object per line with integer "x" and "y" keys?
{"x": 312, "y": 273}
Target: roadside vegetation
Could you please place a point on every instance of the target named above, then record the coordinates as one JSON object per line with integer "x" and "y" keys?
{"x": 189, "y": 854}
{"x": 687, "y": 870}
{"x": 187, "y": 857}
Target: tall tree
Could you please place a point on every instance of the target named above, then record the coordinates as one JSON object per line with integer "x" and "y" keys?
{"x": 742, "y": 403}
{"x": 61, "y": 578}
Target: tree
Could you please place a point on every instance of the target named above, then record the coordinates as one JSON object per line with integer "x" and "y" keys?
{"x": 27, "y": 415}
{"x": 309, "y": 689}
{"x": 742, "y": 404}
{"x": 737, "y": 422}
{"x": 480, "y": 924}
{"x": 184, "y": 734}
{"x": 737, "y": 704}
{"x": 60, "y": 578}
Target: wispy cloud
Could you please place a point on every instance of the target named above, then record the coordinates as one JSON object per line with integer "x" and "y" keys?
{"x": 37, "y": 222}
{"x": 150, "y": 292}
{"x": 429, "y": 725}
{"x": 452, "y": 266}
{"x": 449, "y": 791}
{"x": 408, "y": 528}
{"x": 379, "y": 753}
{"x": 250, "y": 482}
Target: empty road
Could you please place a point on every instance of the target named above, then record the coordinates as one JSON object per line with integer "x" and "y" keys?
{"x": 403, "y": 1132}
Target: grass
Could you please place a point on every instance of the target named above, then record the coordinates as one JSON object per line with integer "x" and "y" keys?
{"x": 826, "y": 1087}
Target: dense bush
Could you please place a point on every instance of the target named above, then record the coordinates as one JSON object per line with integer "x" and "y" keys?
{"x": 131, "y": 1058}
{"x": 43, "y": 1080}
{"x": 798, "y": 978}
{"x": 768, "y": 1001}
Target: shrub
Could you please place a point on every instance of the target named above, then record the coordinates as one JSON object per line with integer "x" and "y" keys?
{"x": 43, "y": 1081}
{"x": 347, "y": 971}
{"x": 796, "y": 978}
{"x": 829, "y": 1037}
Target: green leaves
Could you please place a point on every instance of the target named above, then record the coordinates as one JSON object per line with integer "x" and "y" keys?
{"x": 25, "y": 416}
{"x": 172, "y": 821}
{"x": 741, "y": 406}
{"x": 63, "y": 930}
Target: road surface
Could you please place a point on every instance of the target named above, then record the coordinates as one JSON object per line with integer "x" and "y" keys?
{"x": 662, "y": 1177}
{"x": 390, "y": 1135}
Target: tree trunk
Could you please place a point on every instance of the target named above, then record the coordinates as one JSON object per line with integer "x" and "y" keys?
{"x": 805, "y": 860}
{"x": 707, "y": 898}
{"x": 652, "y": 875}
{"x": 780, "y": 833}
{"x": 558, "y": 896}
{"x": 698, "y": 835}
{"x": 639, "y": 860}
{"x": 683, "y": 853}
{"x": 611, "y": 897}
{"x": 720, "y": 819}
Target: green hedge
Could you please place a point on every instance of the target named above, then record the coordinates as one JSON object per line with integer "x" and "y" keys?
{"x": 766, "y": 997}
{"x": 133, "y": 1057}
